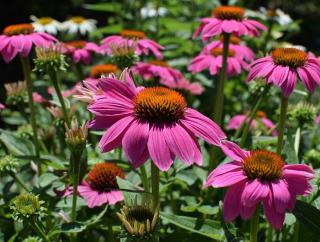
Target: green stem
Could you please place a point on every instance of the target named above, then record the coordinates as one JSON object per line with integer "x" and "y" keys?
{"x": 269, "y": 234}
{"x": 254, "y": 226}
{"x": 75, "y": 161}
{"x": 155, "y": 179}
{"x": 297, "y": 139}
{"x": 144, "y": 178}
{"x": 243, "y": 123}
{"x": 282, "y": 121}
{"x": 55, "y": 82}
{"x": 39, "y": 231}
{"x": 252, "y": 116}
{"x": 218, "y": 108}
{"x": 21, "y": 183}
{"x": 296, "y": 232}
{"x": 79, "y": 71}
{"x": 27, "y": 76}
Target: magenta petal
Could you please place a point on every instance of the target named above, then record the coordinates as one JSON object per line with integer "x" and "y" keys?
{"x": 135, "y": 143}
{"x": 180, "y": 142}
{"x": 113, "y": 136}
{"x": 246, "y": 212}
{"x": 233, "y": 151}
{"x": 281, "y": 195}
{"x": 254, "y": 192}
{"x": 298, "y": 170}
{"x": 298, "y": 185}
{"x": 158, "y": 149}
{"x": 275, "y": 218}
{"x": 231, "y": 202}
{"x": 202, "y": 126}
{"x": 221, "y": 170}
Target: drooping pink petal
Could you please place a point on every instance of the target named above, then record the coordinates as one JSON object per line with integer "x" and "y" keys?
{"x": 135, "y": 143}
{"x": 275, "y": 218}
{"x": 281, "y": 195}
{"x": 113, "y": 136}
{"x": 158, "y": 149}
{"x": 254, "y": 192}
{"x": 233, "y": 151}
{"x": 231, "y": 202}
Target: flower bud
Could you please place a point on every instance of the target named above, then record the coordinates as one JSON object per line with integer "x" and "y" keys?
{"x": 16, "y": 93}
{"x": 8, "y": 164}
{"x": 303, "y": 113}
{"x": 76, "y": 135}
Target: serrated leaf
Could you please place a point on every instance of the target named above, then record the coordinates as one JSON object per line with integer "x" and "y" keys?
{"x": 205, "y": 227}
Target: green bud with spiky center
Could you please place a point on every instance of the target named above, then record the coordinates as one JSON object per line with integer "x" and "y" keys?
{"x": 50, "y": 59}
{"x": 32, "y": 239}
{"x": 8, "y": 164}
{"x": 303, "y": 113}
{"x": 16, "y": 93}
{"x": 26, "y": 206}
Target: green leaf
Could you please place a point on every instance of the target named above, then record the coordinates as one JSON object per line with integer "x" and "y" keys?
{"x": 289, "y": 151}
{"x": 308, "y": 216}
{"x": 129, "y": 190}
{"x": 47, "y": 179}
{"x": 207, "y": 209}
{"x": 72, "y": 227}
{"x": 205, "y": 227}
{"x": 16, "y": 144}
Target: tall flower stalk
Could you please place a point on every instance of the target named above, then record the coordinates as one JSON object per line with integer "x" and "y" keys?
{"x": 155, "y": 179}
{"x": 254, "y": 226}
{"x": 27, "y": 76}
{"x": 282, "y": 121}
{"x": 218, "y": 108}
{"x": 50, "y": 61}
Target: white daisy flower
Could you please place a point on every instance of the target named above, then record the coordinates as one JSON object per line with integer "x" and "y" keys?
{"x": 45, "y": 24}
{"x": 150, "y": 11}
{"x": 79, "y": 24}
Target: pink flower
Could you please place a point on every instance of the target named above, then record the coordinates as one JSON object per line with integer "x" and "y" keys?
{"x": 212, "y": 59}
{"x": 37, "y": 98}
{"x": 2, "y": 106}
{"x": 228, "y": 19}
{"x": 259, "y": 176}
{"x": 132, "y": 38}
{"x": 19, "y": 39}
{"x": 242, "y": 51}
{"x": 150, "y": 122}
{"x": 283, "y": 68}
{"x": 318, "y": 119}
{"x": 194, "y": 88}
{"x": 81, "y": 50}
{"x": 101, "y": 185}
{"x": 236, "y": 121}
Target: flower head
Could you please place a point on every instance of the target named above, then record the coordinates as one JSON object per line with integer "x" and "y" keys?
{"x": 228, "y": 19}
{"x": 16, "y": 92}
{"x": 27, "y": 205}
{"x": 284, "y": 66}
{"x": 19, "y": 39}
{"x": 303, "y": 113}
{"x": 139, "y": 220}
{"x": 9, "y": 164}
{"x": 50, "y": 59}
{"x": 150, "y": 122}
{"x": 101, "y": 185}
{"x": 259, "y": 176}
{"x": 80, "y": 50}
{"x": 212, "y": 59}
{"x": 103, "y": 70}
{"x": 235, "y": 45}
{"x": 79, "y": 24}
{"x": 76, "y": 136}
{"x": 45, "y": 24}
{"x": 137, "y": 39}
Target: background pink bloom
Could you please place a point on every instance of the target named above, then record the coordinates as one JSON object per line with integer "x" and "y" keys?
{"x": 212, "y": 59}
{"x": 81, "y": 50}
{"x": 259, "y": 176}
{"x": 236, "y": 121}
{"x": 283, "y": 68}
{"x": 2, "y": 106}
{"x": 135, "y": 39}
{"x": 150, "y": 122}
{"x": 318, "y": 119}
{"x": 19, "y": 39}
{"x": 228, "y": 19}
{"x": 242, "y": 51}
{"x": 37, "y": 98}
